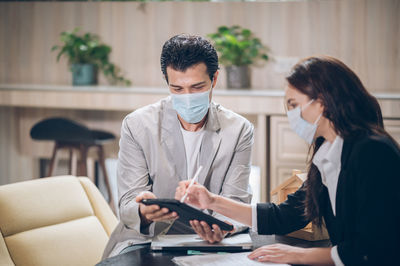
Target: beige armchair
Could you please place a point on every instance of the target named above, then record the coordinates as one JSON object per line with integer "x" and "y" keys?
{"x": 53, "y": 221}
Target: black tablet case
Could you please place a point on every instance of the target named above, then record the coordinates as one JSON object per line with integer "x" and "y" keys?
{"x": 187, "y": 213}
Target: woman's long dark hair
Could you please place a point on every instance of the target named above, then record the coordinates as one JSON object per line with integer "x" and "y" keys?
{"x": 351, "y": 109}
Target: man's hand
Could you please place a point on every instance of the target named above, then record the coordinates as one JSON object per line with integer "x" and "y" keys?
{"x": 152, "y": 213}
{"x": 213, "y": 235}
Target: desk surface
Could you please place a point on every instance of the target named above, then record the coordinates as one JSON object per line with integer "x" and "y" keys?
{"x": 146, "y": 257}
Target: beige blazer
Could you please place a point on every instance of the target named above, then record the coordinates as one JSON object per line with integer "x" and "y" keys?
{"x": 152, "y": 158}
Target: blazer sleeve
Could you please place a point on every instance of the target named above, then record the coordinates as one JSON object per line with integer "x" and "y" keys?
{"x": 236, "y": 183}
{"x": 283, "y": 218}
{"x": 133, "y": 178}
{"x": 376, "y": 236}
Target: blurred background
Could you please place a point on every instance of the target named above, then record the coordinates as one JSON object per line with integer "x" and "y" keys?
{"x": 364, "y": 34}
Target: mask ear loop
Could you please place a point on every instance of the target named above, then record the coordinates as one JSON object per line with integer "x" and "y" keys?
{"x": 307, "y": 104}
{"x": 318, "y": 118}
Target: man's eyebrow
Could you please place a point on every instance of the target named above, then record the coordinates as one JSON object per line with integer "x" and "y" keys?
{"x": 193, "y": 85}
{"x": 172, "y": 85}
{"x": 199, "y": 83}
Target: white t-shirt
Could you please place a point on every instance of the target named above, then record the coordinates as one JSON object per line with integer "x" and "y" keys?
{"x": 192, "y": 141}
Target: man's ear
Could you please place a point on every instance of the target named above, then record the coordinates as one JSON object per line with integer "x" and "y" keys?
{"x": 166, "y": 79}
{"x": 215, "y": 78}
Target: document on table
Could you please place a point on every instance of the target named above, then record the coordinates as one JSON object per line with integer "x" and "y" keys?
{"x": 220, "y": 260}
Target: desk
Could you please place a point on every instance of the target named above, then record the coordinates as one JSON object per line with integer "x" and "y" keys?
{"x": 146, "y": 257}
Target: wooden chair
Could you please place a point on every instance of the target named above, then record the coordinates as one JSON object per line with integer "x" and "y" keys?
{"x": 70, "y": 135}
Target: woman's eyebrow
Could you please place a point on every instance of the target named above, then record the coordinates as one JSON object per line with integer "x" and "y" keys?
{"x": 289, "y": 100}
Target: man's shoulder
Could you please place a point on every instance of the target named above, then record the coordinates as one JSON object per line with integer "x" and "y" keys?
{"x": 150, "y": 113}
{"x": 227, "y": 116}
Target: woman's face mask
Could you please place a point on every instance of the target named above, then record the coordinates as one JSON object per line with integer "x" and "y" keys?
{"x": 303, "y": 128}
{"x": 192, "y": 107}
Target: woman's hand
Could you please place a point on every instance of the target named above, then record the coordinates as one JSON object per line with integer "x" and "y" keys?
{"x": 181, "y": 189}
{"x": 278, "y": 253}
{"x": 198, "y": 195}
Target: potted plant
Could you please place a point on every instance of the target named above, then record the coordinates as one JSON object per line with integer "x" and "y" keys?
{"x": 238, "y": 49}
{"x": 86, "y": 55}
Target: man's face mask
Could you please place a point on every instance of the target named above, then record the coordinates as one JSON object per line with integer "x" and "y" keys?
{"x": 192, "y": 107}
{"x": 303, "y": 128}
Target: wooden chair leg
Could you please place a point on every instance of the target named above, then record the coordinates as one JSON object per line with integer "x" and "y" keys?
{"x": 106, "y": 180}
{"x": 53, "y": 160}
{"x": 70, "y": 161}
{"x": 83, "y": 149}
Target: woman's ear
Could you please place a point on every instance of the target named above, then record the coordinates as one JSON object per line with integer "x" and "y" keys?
{"x": 320, "y": 105}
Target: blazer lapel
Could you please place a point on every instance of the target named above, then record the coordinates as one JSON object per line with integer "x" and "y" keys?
{"x": 172, "y": 140}
{"x": 210, "y": 144}
{"x": 341, "y": 186}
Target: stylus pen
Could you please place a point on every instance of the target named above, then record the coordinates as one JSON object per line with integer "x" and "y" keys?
{"x": 196, "y": 175}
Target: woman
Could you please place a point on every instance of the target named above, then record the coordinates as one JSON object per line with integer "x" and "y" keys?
{"x": 353, "y": 176}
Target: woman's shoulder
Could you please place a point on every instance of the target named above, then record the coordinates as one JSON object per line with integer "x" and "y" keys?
{"x": 375, "y": 145}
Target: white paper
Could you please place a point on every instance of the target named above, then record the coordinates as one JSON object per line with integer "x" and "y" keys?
{"x": 220, "y": 260}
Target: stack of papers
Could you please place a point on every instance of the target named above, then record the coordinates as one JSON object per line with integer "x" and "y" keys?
{"x": 219, "y": 260}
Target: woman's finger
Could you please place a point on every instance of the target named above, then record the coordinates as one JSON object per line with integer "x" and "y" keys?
{"x": 260, "y": 252}
{"x": 272, "y": 258}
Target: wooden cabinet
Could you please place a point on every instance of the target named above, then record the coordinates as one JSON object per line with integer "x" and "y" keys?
{"x": 393, "y": 127}
{"x": 288, "y": 151}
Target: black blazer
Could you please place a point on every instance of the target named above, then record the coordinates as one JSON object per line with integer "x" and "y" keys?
{"x": 366, "y": 228}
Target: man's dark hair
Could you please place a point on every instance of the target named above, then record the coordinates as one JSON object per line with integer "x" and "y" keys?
{"x": 184, "y": 51}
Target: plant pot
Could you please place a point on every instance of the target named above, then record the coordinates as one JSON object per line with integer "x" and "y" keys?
{"x": 238, "y": 77}
{"x": 84, "y": 74}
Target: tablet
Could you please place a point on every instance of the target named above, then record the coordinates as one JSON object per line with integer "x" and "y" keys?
{"x": 187, "y": 213}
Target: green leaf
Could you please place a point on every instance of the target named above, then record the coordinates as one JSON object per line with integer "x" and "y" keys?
{"x": 238, "y": 46}
{"x": 87, "y": 48}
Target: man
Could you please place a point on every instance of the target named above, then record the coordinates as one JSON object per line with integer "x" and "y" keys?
{"x": 166, "y": 142}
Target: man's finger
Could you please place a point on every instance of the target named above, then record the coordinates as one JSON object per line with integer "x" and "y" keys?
{"x": 145, "y": 195}
{"x": 218, "y": 234}
{"x": 207, "y": 230}
{"x": 197, "y": 230}
{"x": 200, "y": 229}
{"x": 169, "y": 216}
{"x": 149, "y": 209}
{"x": 157, "y": 214}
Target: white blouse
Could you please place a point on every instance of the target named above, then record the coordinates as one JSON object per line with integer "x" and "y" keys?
{"x": 328, "y": 161}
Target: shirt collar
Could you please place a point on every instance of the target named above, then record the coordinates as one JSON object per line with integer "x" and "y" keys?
{"x": 329, "y": 152}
